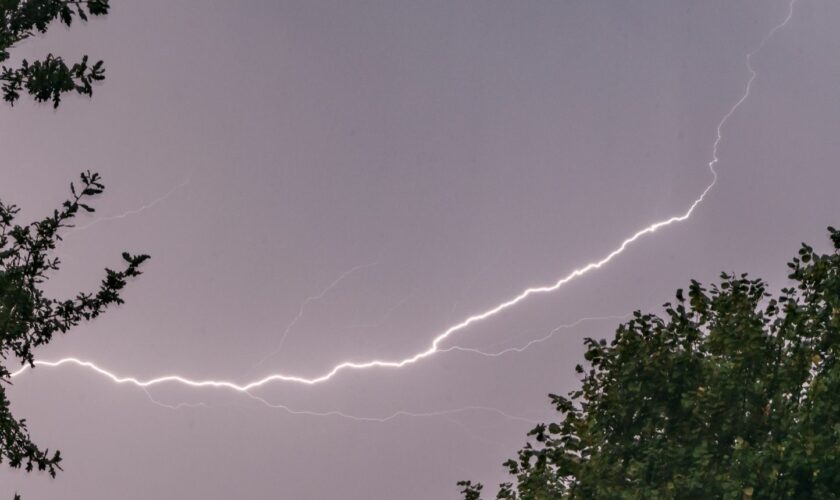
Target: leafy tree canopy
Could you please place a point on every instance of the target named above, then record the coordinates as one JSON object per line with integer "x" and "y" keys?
{"x": 732, "y": 394}
{"x": 46, "y": 79}
{"x": 28, "y": 318}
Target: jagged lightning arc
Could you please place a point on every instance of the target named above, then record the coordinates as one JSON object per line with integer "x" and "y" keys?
{"x": 394, "y": 415}
{"x": 134, "y": 211}
{"x": 436, "y": 342}
{"x": 554, "y": 331}
{"x": 302, "y": 308}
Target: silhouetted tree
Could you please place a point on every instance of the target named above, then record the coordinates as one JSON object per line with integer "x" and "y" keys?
{"x": 49, "y": 78}
{"x": 732, "y": 394}
{"x": 29, "y": 319}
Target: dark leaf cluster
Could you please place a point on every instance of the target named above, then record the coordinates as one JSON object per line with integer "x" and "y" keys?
{"x": 28, "y": 318}
{"x": 733, "y": 393}
{"x": 47, "y": 79}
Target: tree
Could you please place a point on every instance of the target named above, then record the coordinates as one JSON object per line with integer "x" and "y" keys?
{"x": 732, "y": 394}
{"x": 49, "y": 78}
{"x": 29, "y": 319}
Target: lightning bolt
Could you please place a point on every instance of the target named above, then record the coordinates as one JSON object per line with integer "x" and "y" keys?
{"x": 549, "y": 335}
{"x": 177, "y": 406}
{"x": 395, "y": 415}
{"x": 303, "y": 305}
{"x": 435, "y": 348}
{"x": 447, "y": 414}
{"x": 135, "y": 211}
{"x": 358, "y": 418}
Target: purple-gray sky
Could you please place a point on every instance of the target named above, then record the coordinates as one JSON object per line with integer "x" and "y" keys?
{"x": 453, "y": 153}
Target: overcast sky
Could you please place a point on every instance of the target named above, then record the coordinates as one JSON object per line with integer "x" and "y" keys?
{"x": 436, "y": 158}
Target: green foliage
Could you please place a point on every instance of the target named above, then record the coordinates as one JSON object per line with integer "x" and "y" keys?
{"x": 470, "y": 491}
{"x": 732, "y": 394}
{"x": 28, "y": 318}
{"x": 47, "y": 79}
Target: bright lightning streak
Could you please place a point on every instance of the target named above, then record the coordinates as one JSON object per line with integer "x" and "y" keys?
{"x": 435, "y": 345}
